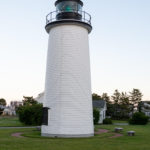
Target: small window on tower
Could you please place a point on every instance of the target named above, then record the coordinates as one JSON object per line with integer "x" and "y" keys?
{"x": 45, "y": 116}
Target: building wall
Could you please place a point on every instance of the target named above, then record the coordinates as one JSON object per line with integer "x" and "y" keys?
{"x": 68, "y": 86}
{"x": 102, "y": 115}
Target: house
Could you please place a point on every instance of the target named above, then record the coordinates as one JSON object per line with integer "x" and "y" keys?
{"x": 40, "y": 98}
{"x": 8, "y": 111}
{"x": 11, "y": 110}
{"x": 144, "y": 106}
{"x": 101, "y": 105}
{"x": 2, "y": 107}
{"x": 15, "y": 104}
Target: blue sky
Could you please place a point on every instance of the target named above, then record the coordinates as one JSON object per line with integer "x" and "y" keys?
{"x": 119, "y": 46}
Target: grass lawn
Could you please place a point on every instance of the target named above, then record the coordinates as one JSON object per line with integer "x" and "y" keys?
{"x": 33, "y": 141}
{"x": 10, "y": 122}
{"x": 119, "y": 121}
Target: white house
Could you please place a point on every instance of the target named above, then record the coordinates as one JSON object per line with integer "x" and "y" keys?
{"x": 40, "y": 98}
{"x": 8, "y": 111}
{"x": 11, "y": 110}
{"x": 101, "y": 105}
{"x": 145, "y": 107}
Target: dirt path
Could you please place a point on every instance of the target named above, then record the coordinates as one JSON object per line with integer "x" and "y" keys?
{"x": 18, "y": 134}
{"x": 116, "y": 135}
{"x": 100, "y": 131}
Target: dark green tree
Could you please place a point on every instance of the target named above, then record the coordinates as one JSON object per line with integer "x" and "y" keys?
{"x": 125, "y": 105}
{"x": 96, "y": 96}
{"x": 116, "y": 97}
{"x": 135, "y": 98}
{"x": 96, "y": 115}
{"x": 29, "y": 100}
{"x": 116, "y": 107}
{"x": 30, "y": 114}
{"x": 106, "y": 98}
{"x": 139, "y": 118}
{"x": 3, "y": 102}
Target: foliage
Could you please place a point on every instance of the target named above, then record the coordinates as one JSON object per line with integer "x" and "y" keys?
{"x": 1, "y": 111}
{"x": 30, "y": 114}
{"x": 96, "y": 115}
{"x": 120, "y": 105}
{"x": 96, "y": 96}
{"x": 116, "y": 97}
{"x": 3, "y": 102}
{"x": 135, "y": 97}
{"x": 106, "y": 98}
{"x": 107, "y": 121}
{"x": 110, "y": 110}
{"x": 29, "y": 100}
{"x": 139, "y": 118}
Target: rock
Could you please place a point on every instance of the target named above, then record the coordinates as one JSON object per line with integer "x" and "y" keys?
{"x": 131, "y": 133}
{"x": 118, "y": 129}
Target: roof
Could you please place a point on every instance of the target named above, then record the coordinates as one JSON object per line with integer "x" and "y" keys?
{"x": 78, "y": 1}
{"x": 99, "y": 103}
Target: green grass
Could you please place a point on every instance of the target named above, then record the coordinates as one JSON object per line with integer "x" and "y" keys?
{"x": 10, "y": 122}
{"x": 119, "y": 121}
{"x": 33, "y": 140}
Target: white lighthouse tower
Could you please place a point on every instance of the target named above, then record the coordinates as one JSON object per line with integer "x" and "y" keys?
{"x": 67, "y": 103}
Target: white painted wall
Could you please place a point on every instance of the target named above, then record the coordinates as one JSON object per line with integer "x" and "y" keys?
{"x": 68, "y": 86}
{"x": 102, "y": 114}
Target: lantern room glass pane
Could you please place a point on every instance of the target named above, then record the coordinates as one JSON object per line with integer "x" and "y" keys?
{"x": 68, "y": 6}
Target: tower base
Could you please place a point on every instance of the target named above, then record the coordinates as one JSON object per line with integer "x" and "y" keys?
{"x": 67, "y": 135}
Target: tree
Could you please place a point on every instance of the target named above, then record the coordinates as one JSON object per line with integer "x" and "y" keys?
{"x": 96, "y": 96}
{"x": 29, "y": 100}
{"x": 124, "y": 105}
{"x": 96, "y": 115}
{"x": 121, "y": 106}
{"x": 135, "y": 97}
{"x": 116, "y": 97}
{"x": 30, "y": 114}
{"x": 139, "y": 118}
{"x": 116, "y": 108}
{"x": 106, "y": 98}
{"x": 3, "y": 102}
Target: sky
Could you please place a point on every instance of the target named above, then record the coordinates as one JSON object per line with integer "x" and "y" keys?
{"x": 119, "y": 46}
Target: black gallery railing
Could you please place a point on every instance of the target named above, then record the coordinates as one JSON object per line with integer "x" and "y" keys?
{"x": 52, "y": 16}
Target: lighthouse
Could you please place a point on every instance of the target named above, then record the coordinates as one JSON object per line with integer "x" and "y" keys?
{"x": 67, "y": 104}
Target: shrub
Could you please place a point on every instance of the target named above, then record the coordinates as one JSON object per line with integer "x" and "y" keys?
{"x": 107, "y": 121}
{"x": 96, "y": 115}
{"x": 139, "y": 118}
{"x": 30, "y": 114}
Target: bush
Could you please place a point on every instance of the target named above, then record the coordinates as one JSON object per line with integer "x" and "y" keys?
{"x": 30, "y": 114}
{"x": 107, "y": 121}
{"x": 139, "y": 119}
{"x": 96, "y": 115}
